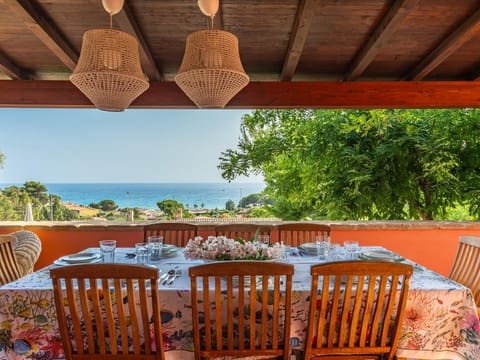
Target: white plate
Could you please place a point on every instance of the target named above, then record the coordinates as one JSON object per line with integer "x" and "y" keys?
{"x": 80, "y": 258}
{"x": 380, "y": 255}
{"x": 169, "y": 251}
{"x": 61, "y": 262}
{"x": 308, "y": 248}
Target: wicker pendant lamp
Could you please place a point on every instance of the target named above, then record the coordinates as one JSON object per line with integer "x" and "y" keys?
{"x": 211, "y": 73}
{"x": 108, "y": 71}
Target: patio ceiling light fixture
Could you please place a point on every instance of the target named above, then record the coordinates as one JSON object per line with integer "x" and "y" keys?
{"x": 211, "y": 73}
{"x": 108, "y": 71}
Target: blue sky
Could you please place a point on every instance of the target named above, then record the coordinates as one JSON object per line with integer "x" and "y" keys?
{"x": 65, "y": 145}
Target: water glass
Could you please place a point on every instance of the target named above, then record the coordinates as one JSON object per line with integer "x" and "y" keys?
{"x": 156, "y": 247}
{"x": 323, "y": 246}
{"x": 143, "y": 253}
{"x": 107, "y": 249}
{"x": 336, "y": 252}
{"x": 351, "y": 249}
{"x": 285, "y": 254}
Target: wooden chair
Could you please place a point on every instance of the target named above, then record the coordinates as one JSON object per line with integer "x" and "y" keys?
{"x": 352, "y": 309}
{"x": 9, "y": 269}
{"x": 243, "y": 315}
{"x": 173, "y": 233}
{"x": 295, "y": 234}
{"x": 245, "y": 231}
{"x": 101, "y": 307}
{"x": 466, "y": 266}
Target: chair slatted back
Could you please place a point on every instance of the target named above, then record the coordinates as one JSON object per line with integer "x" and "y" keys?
{"x": 173, "y": 233}
{"x": 245, "y": 312}
{"x": 295, "y": 234}
{"x": 244, "y": 231}
{"x": 120, "y": 300}
{"x": 9, "y": 270}
{"x": 356, "y": 308}
{"x": 466, "y": 266}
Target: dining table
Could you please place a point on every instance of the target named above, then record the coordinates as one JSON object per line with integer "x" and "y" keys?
{"x": 441, "y": 320}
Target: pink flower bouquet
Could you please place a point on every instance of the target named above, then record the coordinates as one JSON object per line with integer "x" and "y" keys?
{"x": 223, "y": 248}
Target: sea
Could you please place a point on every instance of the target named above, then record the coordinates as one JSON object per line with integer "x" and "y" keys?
{"x": 146, "y": 195}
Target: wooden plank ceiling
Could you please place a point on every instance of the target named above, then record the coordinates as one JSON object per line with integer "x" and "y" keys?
{"x": 298, "y": 53}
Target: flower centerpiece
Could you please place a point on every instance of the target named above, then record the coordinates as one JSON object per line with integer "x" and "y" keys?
{"x": 223, "y": 248}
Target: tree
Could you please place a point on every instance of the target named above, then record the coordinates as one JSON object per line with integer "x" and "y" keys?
{"x": 254, "y": 199}
{"x": 230, "y": 205}
{"x": 60, "y": 211}
{"x": 108, "y": 205}
{"x": 36, "y": 190}
{"x": 94, "y": 205}
{"x": 7, "y": 211}
{"x": 170, "y": 207}
{"x": 359, "y": 164}
{"x": 16, "y": 198}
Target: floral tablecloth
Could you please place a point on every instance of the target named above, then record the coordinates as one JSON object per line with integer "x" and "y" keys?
{"x": 441, "y": 319}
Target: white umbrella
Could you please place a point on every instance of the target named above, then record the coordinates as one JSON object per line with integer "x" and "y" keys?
{"x": 28, "y": 212}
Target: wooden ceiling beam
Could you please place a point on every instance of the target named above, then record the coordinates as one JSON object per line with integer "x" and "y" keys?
{"x": 126, "y": 21}
{"x": 301, "y": 28}
{"x": 11, "y": 70}
{"x": 448, "y": 46}
{"x": 379, "y": 38}
{"x": 37, "y": 22}
{"x": 258, "y": 95}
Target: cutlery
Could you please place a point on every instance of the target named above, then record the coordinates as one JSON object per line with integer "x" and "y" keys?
{"x": 177, "y": 273}
{"x": 166, "y": 277}
{"x": 163, "y": 277}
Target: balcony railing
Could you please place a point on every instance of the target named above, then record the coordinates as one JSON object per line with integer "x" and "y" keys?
{"x": 432, "y": 244}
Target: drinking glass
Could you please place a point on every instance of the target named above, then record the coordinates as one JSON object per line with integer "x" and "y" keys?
{"x": 336, "y": 252}
{"x": 351, "y": 249}
{"x": 323, "y": 246}
{"x": 107, "y": 249}
{"x": 143, "y": 253}
{"x": 156, "y": 247}
{"x": 285, "y": 254}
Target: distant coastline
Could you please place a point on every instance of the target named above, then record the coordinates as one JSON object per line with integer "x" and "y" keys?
{"x": 146, "y": 195}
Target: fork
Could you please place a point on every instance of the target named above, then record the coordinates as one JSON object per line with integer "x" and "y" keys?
{"x": 178, "y": 272}
{"x": 169, "y": 275}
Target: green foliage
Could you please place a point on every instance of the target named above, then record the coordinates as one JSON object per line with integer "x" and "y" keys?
{"x": 260, "y": 212}
{"x": 359, "y": 164}
{"x": 94, "y": 205}
{"x": 60, "y": 212}
{"x": 230, "y": 205}
{"x": 254, "y": 199}
{"x": 36, "y": 191}
{"x": 14, "y": 199}
{"x": 186, "y": 214}
{"x": 7, "y": 211}
{"x": 105, "y": 205}
{"x": 170, "y": 207}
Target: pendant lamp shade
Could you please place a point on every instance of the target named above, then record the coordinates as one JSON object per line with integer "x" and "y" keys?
{"x": 108, "y": 71}
{"x": 211, "y": 73}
